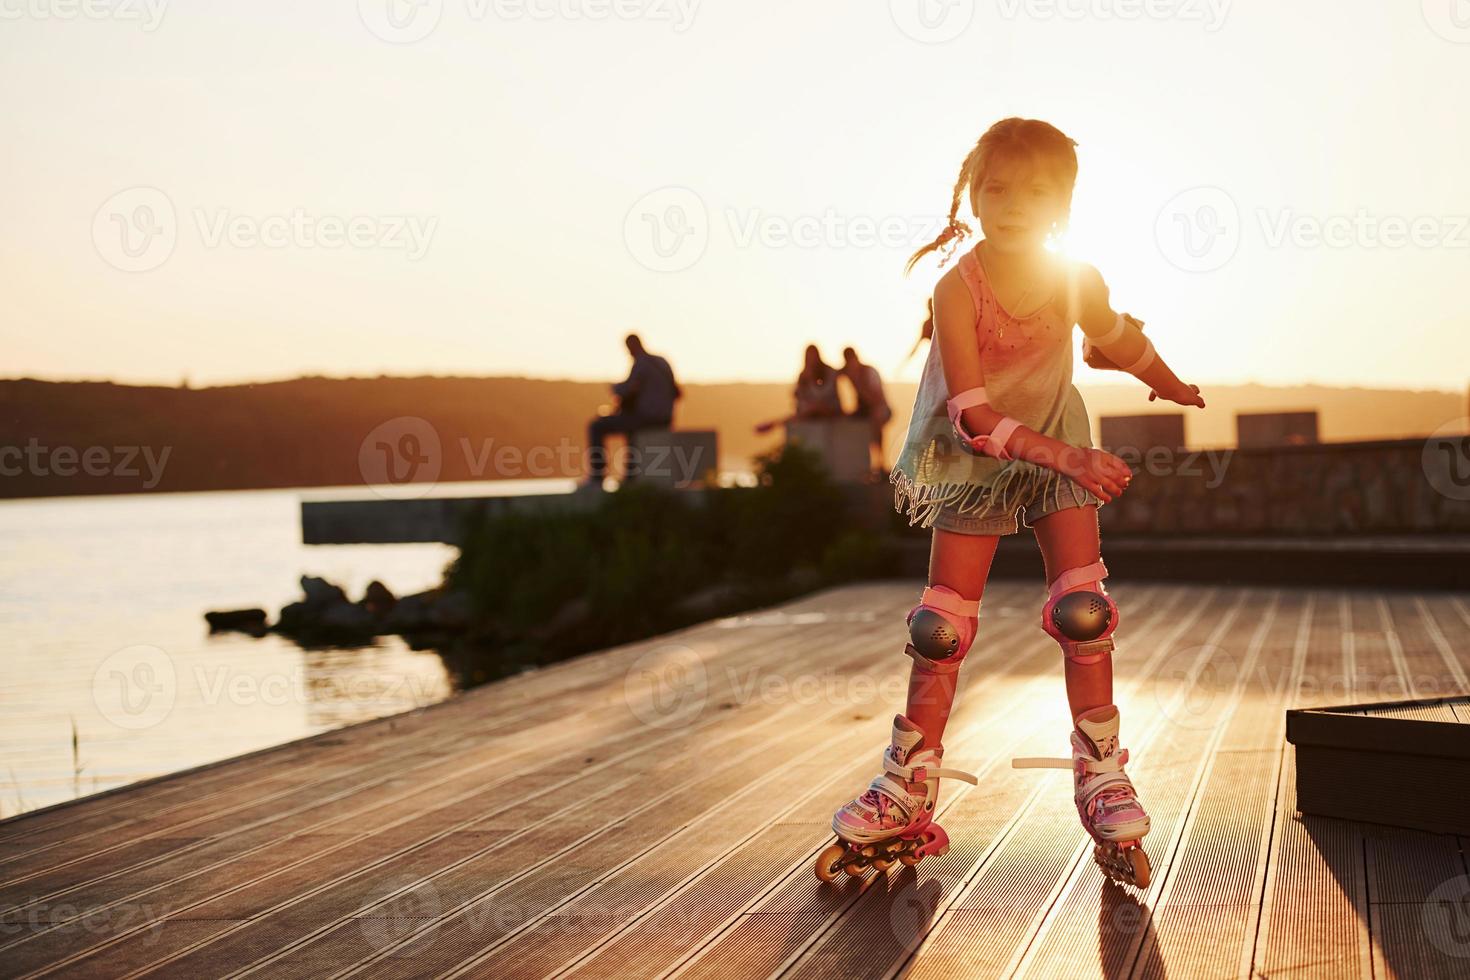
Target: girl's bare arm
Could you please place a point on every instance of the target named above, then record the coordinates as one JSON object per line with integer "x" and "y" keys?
{"x": 1125, "y": 344}
{"x": 954, "y": 331}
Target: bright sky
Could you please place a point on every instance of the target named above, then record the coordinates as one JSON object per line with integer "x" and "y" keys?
{"x": 1277, "y": 189}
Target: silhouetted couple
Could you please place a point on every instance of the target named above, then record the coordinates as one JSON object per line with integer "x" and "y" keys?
{"x": 644, "y": 401}
{"x": 817, "y": 397}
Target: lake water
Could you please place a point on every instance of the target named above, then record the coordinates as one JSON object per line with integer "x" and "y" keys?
{"x": 102, "y": 633}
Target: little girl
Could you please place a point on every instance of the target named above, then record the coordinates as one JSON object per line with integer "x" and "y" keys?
{"x": 999, "y": 428}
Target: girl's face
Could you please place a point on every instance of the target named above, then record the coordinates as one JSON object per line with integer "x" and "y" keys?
{"x": 1018, "y": 203}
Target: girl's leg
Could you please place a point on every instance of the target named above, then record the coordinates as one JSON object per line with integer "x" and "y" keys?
{"x": 962, "y": 562}
{"x": 1069, "y": 539}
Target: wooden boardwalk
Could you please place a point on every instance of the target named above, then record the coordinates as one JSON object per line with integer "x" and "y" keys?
{"x": 653, "y": 810}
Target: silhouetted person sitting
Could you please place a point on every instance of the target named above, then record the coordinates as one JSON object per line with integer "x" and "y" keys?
{"x": 872, "y": 403}
{"x": 816, "y": 392}
{"x": 644, "y": 401}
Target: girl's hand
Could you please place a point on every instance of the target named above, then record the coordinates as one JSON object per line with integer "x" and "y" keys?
{"x": 1098, "y": 470}
{"x": 1183, "y": 394}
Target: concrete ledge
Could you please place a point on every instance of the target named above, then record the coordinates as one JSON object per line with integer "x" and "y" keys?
{"x": 1402, "y": 561}
{"x": 430, "y": 519}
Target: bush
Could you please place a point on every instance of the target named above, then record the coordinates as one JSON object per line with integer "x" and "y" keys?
{"x": 647, "y": 560}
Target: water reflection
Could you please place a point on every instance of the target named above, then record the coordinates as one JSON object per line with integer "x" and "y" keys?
{"x": 108, "y": 673}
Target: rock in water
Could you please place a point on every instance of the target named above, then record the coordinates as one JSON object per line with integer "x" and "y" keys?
{"x": 250, "y": 621}
{"x": 378, "y": 599}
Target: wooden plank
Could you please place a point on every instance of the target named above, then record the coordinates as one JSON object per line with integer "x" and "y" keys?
{"x": 1041, "y": 858}
{"x": 1314, "y": 918}
{"x": 636, "y": 734}
{"x": 544, "y": 945}
{"x": 655, "y": 850}
{"x": 686, "y": 921}
{"x": 975, "y": 821}
{"x": 1210, "y": 838}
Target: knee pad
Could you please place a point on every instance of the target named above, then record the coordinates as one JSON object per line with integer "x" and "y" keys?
{"x": 1080, "y": 615}
{"x": 941, "y": 628}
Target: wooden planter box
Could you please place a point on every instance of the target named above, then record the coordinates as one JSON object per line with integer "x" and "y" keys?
{"x": 1405, "y": 763}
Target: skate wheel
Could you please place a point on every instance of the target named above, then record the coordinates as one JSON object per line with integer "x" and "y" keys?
{"x": 882, "y": 864}
{"x": 1139, "y": 862}
{"x": 829, "y": 862}
{"x": 910, "y": 859}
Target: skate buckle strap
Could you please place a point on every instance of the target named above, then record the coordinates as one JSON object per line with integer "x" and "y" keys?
{"x": 920, "y": 774}
{"x": 1073, "y": 577}
{"x": 1112, "y": 764}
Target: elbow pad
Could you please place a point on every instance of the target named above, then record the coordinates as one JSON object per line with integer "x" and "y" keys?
{"x": 993, "y": 444}
{"x": 1120, "y": 326}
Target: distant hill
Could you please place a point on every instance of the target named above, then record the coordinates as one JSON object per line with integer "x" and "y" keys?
{"x": 96, "y": 437}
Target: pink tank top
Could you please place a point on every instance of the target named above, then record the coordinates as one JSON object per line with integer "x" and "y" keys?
{"x": 1028, "y": 360}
